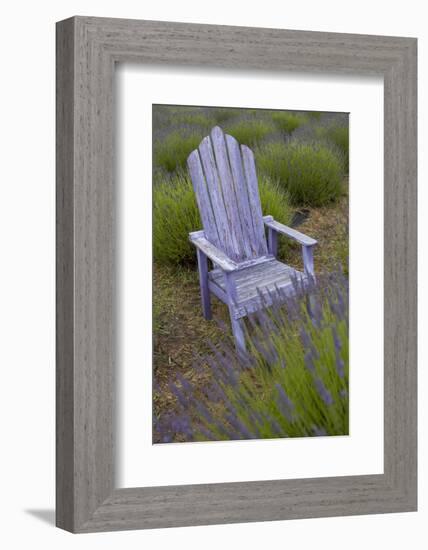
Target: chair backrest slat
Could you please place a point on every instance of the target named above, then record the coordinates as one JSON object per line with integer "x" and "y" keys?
{"x": 225, "y": 183}
{"x": 203, "y": 198}
{"x": 231, "y": 198}
{"x": 250, "y": 239}
{"x": 254, "y": 198}
{"x": 227, "y": 238}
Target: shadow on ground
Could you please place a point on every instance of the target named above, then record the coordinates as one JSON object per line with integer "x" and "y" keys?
{"x": 46, "y": 515}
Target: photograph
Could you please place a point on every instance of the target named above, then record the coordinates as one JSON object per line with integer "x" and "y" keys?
{"x": 250, "y": 241}
{"x": 210, "y": 265}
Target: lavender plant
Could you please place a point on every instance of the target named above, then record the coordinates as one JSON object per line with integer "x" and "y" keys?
{"x": 250, "y": 132}
{"x": 288, "y": 122}
{"x": 293, "y": 383}
{"x": 314, "y": 115}
{"x": 310, "y": 172}
{"x": 339, "y": 136}
{"x": 171, "y": 153}
{"x": 176, "y": 214}
{"x": 225, "y": 114}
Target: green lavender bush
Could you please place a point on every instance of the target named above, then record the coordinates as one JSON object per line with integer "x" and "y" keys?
{"x": 175, "y": 215}
{"x": 339, "y": 135}
{"x": 314, "y": 115}
{"x": 250, "y": 132}
{"x": 198, "y": 119}
{"x": 170, "y": 154}
{"x": 287, "y": 122}
{"x": 223, "y": 115}
{"x": 311, "y": 173}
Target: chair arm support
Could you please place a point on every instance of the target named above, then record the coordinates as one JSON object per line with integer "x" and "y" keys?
{"x": 307, "y": 242}
{"x": 289, "y": 232}
{"x": 198, "y": 239}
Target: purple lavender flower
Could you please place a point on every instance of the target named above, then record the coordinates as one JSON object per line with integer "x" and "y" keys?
{"x": 285, "y": 405}
{"x": 266, "y": 349}
{"x": 203, "y": 411}
{"x": 318, "y": 431}
{"x": 315, "y": 310}
{"x": 309, "y": 362}
{"x": 240, "y": 427}
{"x": 323, "y": 391}
{"x": 277, "y": 430}
{"x": 179, "y": 394}
{"x": 336, "y": 339}
{"x": 185, "y": 384}
{"x": 306, "y": 339}
{"x": 206, "y": 433}
{"x": 212, "y": 394}
{"x": 308, "y": 343}
{"x": 340, "y": 365}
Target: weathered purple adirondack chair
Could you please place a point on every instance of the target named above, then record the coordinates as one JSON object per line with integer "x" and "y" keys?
{"x": 224, "y": 178}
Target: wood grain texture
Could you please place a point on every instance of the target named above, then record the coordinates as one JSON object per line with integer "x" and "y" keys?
{"x": 255, "y": 285}
{"x": 87, "y": 49}
{"x": 214, "y": 254}
{"x": 203, "y": 283}
{"x": 289, "y": 232}
{"x": 226, "y": 189}
{"x": 249, "y": 168}
{"x": 64, "y": 277}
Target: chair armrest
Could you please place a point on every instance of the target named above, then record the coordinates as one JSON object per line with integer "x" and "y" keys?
{"x": 289, "y": 232}
{"x": 215, "y": 254}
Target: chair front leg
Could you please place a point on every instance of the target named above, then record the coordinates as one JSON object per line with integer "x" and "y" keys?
{"x": 237, "y": 324}
{"x": 308, "y": 260}
{"x": 203, "y": 282}
{"x": 308, "y": 263}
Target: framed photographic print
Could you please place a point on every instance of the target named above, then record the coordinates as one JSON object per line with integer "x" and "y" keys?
{"x": 236, "y": 274}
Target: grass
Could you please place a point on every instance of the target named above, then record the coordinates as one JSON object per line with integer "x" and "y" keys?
{"x": 311, "y": 173}
{"x": 176, "y": 214}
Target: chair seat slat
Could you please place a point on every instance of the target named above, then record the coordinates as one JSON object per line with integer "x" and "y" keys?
{"x": 265, "y": 278}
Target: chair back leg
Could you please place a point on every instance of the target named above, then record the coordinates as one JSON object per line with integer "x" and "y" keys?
{"x": 238, "y": 334}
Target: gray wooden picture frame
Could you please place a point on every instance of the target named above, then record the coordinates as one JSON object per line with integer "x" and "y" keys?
{"x": 87, "y": 50}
